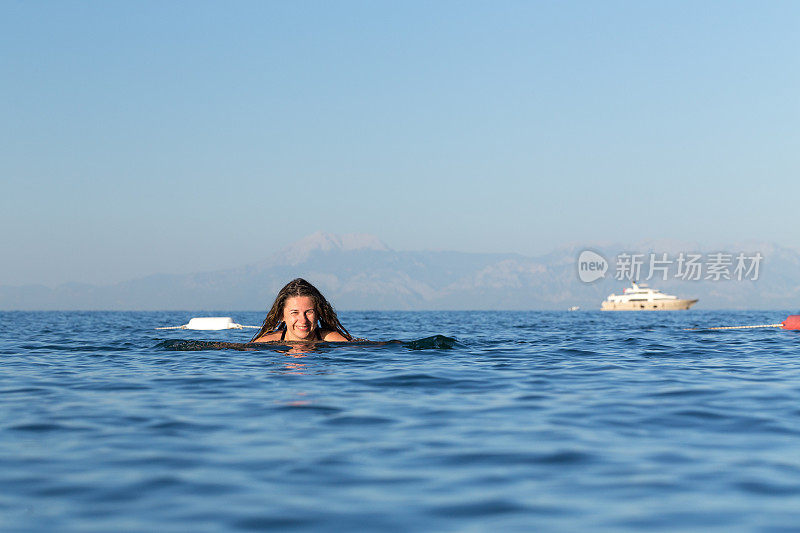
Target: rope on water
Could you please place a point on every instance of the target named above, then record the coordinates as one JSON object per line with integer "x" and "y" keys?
{"x": 738, "y": 327}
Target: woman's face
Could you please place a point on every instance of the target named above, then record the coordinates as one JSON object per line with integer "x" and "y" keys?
{"x": 300, "y": 318}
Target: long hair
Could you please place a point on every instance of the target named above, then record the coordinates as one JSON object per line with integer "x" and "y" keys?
{"x": 326, "y": 316}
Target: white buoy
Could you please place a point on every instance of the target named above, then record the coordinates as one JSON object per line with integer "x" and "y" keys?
{"x": 211, "y": 323}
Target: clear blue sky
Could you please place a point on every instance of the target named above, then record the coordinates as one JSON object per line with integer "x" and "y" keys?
{"x": 144, "y": 137}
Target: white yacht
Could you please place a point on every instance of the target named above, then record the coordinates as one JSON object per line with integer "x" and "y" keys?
{"x": 643, "y": 298}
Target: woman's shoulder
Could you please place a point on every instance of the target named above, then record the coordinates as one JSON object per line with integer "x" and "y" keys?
{"x": 329, "y": 335}
{"x": 269, "y": 337}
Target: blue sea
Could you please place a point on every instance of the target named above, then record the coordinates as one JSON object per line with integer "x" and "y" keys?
{"x": 491, "y": 421}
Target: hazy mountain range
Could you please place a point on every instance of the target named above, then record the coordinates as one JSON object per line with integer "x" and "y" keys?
{"x": 361, "y": 272}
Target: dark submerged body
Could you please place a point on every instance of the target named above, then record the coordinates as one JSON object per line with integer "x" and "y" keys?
{"x": 437, "y": 341}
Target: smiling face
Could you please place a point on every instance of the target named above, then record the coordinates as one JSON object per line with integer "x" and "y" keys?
{"x": 300, "y": 318}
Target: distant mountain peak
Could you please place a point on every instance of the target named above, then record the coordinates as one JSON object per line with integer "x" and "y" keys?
{"x": 326, "y": 242}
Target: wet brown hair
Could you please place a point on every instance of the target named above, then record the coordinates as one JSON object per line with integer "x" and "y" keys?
{"x": 326, "y": 316}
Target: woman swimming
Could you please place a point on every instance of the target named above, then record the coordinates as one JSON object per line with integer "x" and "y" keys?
{"x": 301, "y": 313}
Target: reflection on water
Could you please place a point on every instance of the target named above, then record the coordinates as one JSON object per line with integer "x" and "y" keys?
{"x": 297, "y": 351}
{"x": 300, "y": 350}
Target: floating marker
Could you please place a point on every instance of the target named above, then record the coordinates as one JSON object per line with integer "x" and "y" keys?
{"x": 791, "y": 322}
{"x": 211, "y": 323}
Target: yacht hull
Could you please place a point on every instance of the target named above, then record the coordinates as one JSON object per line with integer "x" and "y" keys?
{"x": 655, "y": 305}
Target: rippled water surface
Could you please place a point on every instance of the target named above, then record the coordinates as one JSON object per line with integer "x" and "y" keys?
{"x": 529, "y": 420}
